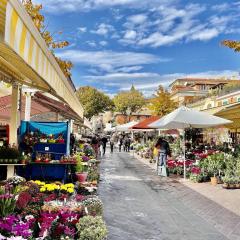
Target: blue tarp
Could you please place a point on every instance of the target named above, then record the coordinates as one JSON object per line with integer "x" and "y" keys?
{"x": 47, "y": 128}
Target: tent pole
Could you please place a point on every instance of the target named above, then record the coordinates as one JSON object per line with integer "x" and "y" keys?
{"x": 184, "y": 155}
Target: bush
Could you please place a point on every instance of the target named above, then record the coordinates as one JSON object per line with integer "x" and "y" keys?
{"x": 91, "y": 228}
{"x": 94, "y": 206}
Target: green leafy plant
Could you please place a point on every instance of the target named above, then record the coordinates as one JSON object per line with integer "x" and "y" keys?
{"x": 94, "y": 206}
{"x": 215, "y": 164}
{"x": 79, "y": 168}
{"x": 7, "y": 205}
{"x": 91, "y": 228}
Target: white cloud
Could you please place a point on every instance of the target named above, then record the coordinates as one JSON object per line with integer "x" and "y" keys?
{"x": 82, "y": 29}
{"x": 148, "y": 82}
{"x": 91, "y": 43}
{"x": 64, "y": 6}
{"x": 103, "y": 29}
{"x": 101, "y": 59}
{"x": 138, "y": 18}
{"x": 205, "y": 35}
{"x": 129, "y": 69}
{"x": 103, "y": 43}
{"x": 130, "y": 34}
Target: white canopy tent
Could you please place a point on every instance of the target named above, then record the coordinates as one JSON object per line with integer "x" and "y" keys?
{"x": 183, "y": 118}
{"x": 125, "y": 127}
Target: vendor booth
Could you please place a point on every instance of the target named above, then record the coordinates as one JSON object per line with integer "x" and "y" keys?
{"x": 46, "y": 143}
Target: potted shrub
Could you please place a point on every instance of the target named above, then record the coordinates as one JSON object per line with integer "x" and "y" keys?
{"x": 214, "y": 165}
{"x": 225, "y": 182}
{"x": 91, "y": 228}
{"x": 80, "y": 174}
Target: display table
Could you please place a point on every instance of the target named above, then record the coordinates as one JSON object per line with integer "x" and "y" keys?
{"x": 49, "y": 171}
{"x": 11, "y": 168}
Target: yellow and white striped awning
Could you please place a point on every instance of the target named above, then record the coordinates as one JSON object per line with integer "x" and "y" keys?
{"x": 23, "y": 51}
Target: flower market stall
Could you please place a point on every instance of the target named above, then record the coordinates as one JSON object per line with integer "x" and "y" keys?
{"x": 183, "y": 118}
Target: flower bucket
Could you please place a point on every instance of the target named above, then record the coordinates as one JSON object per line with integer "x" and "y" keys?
{"x": 214, "y": 181}
{"x": 82, "y": 177}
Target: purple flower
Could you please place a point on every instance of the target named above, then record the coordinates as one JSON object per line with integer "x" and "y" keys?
{"x": 69, "y": 231}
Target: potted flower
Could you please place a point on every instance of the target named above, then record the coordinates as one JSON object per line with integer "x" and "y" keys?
{"x": 60, "y": 138}
{"x": 214, "y": 166}
{"x": 51, "y": 139}
{"x": 80, "y": 174}
{"x": 43, "y": 139}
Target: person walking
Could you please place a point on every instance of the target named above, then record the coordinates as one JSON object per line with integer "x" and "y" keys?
{"x": 104, "y": 144}
{"x": 120, "y": 143}
{"x": 128, "y": 144}
{"x": 112, "y": 139}
{"x": 163, "y": 151}
{"x": 94, "y": 144}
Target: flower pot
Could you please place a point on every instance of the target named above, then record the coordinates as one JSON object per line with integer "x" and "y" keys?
{"x": 82, "y": 177}
{"x": 225, "y": 185}
{"x": 232, "y": 186}
{"x": 237, "y": 185}
{"x": 214, "y": 181}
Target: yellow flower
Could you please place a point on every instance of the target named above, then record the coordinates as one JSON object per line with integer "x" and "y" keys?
{"x": 69, "y": 185}
{"x": 70, "y": 190}
{"x": 42, "y": 189}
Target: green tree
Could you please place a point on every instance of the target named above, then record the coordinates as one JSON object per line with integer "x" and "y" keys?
{"x": 128, "y": 102}
{"x": 162, "y": 104}
{"x": 93, "y": 101}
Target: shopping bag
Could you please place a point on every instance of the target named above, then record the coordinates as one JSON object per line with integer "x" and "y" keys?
{"x": 155, "y": 152}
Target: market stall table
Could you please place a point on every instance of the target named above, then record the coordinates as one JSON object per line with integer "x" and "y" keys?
{"x": 56, "y": 171}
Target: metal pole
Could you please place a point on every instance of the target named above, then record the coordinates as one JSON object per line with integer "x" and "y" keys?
{"x": 184, "y": 155}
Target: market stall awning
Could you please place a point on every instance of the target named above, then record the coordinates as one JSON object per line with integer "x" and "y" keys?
{"x": 231, "y": 113}
{"x": 40, "y": 105}
{"x": 184, "y": 117}
{"x": 125, "y": 127}
{"x": 145, "y": 123}
{"x": 25, "y": 57}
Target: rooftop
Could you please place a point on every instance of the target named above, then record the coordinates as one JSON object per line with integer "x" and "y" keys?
{"x": 205, "y": 80}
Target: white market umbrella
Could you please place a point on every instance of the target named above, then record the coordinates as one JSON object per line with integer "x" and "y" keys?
{"x": 125, "y": 127}
{"x": 184, "y": 117}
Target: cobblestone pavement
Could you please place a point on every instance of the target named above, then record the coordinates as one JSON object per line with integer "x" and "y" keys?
{"x": 142, "y": 206}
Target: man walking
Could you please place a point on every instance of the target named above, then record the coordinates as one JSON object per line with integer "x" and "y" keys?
{"x": 163, "y": 151}
{"x": 104, "y": 144}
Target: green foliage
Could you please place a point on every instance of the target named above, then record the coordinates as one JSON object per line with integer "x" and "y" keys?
{"x": 79, "y": 166}
{"x": 94, "y": 206}
{"x": 93, "y": 101}
{"x": 9, "y": 153}
{"x": 214, "y": 163}
{"x": 7, "y": 205}
{"x": 91, "y": 228}
{"x": 129, "y": 102}
{"x": 162, "y": 104}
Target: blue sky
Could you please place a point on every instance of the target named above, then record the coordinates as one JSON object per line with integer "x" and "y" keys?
{"x": 117, "y": 43}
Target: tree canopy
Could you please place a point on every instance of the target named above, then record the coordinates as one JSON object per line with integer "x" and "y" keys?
{"x": 34, "y": 11}
{"x": 93, "y": 101}
{"x": 162, "y": 104}
{"x": 235, "y": 45}
{"x": 128, "y": 102}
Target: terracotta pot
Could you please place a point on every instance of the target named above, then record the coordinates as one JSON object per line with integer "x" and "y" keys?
{"x": 225, "y": 185}
{"x": 214, "y": 181}
{"x": 237, "y": 185}
{"x": 82, "y": 177}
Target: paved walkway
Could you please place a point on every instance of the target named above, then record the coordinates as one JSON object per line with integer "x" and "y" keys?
{"x": 229, "y": 199}
{"x": 142, "y": 206}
